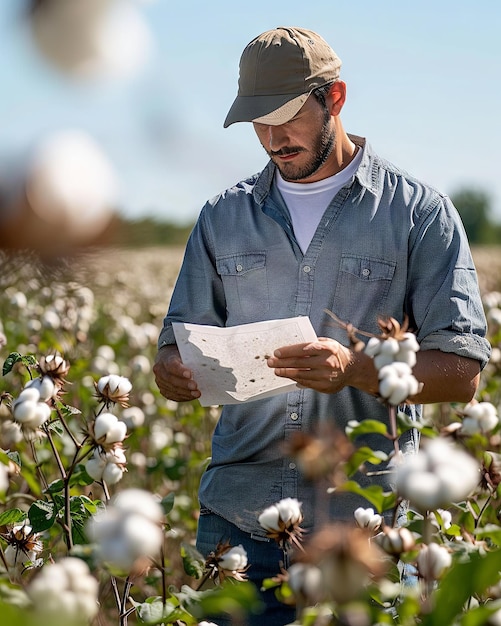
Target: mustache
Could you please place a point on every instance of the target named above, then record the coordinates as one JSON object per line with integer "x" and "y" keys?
{"x": 285, "y": 151}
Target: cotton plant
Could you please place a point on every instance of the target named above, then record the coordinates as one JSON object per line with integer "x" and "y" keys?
{"x": 113, "y": 389}
{"x": 282, "y": 522}
{"x": 367, "y": 518}
{"x": 33, "y": 407}
{"x": 479, "y": 417}
{"x": 39, "y": 412}
{"x": 107, "y": 462}
{"x": 440, "y": 473}
{"x": 64, "y": 593}
{"x": 23, "y": 549}
{"x": 226, "y": 561}
{"x": 128, "y": 531}
{"x": 394, "y": 356}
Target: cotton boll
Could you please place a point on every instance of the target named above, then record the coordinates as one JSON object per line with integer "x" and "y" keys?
{"x": 92, "y": 39}
{"x": 129, "y": 529}
{"x": 72, "y": 186}
{"x": 366, "y": 518}
{"x": 95, "y": 466}
{"x": 289, "y": 510}
{"x": 426, "y": 491}
{"x": 64, "y": 593}
{"x": 484, "y": 413}
{"x": 25, "y": 411}
{"x": 133, "y": 417}
{"x": 432, "y": 561}
{"x": 45, "y": 386}
{"x": 28, "y": 394}
{"x": 141, "y": 364}
{"x": 470, "y": 426}
{"x": 269, "y": 518}
{"x": 438, "y": 475}
{"x": 112, "y": 473}
{"x": 139, "y": 501}
{"x": 42, "y": 414}
{"x": 400, "y": 392}
{"x": 19, "y": 300}
{"x": 382, "y": 359}
{"x": 389, "y": 346}
{"x": 106, "y": 352}
{"x": 307, "y": 580}
{"x": 108, "y": 428}
{"x": 234, "y": 559}
{"x": 373, "y": 347}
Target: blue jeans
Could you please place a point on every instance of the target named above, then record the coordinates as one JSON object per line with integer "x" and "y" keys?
{"x": 264, "y": 557}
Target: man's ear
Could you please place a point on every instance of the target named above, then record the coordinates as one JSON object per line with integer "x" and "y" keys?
{"x": 336, "y": 97}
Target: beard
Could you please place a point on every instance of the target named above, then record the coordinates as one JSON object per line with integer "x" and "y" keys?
{"x": 321, "y": 150}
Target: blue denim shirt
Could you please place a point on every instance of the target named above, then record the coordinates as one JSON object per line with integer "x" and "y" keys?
{"x": 387, "y": 245}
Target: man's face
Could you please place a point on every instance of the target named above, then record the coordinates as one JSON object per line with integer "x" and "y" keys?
{"x": 300, "y": 148}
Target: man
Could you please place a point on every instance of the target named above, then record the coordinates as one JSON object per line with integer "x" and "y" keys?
{"x": 327, "y": 224}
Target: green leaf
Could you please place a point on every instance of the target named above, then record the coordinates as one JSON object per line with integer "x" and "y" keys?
{"x": 363, "y": 455}
{"x": 14, "y": 615}
{"x": 14, "y": 357}
{"x": 234, "y": 598}
{"x": 42, "y": 515}
{"x": 10, "y": 361}
{"x": 381, "y": 500}
{"x": 56, "y": 427}
{"x": 154, "y": 611}
{"x": 479, "y": 616}
{"x": 7, "y": 457}
{"x": 490, "y": 531}
{"x": 368, "y": 426}
{"x": 12, "y": 516}
{"x": 453, "y": 531}
{"x": 56, "y": 486}
{"x": 15, "y": 457}
{"x": 462, "y": 581}
{"x": 69, "y": 411}
{"x": 193, "y": 561}
{"x": 168, "y": 502}
{"x": 80, "y": 478}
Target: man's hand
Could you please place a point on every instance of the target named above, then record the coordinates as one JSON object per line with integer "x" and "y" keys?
{"x": 327, "y": 366}
{"x": 174, "y": 380}
{"x": 324, "y": 365}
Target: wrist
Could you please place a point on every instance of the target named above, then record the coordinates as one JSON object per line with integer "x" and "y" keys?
{"x": 361, "y": 373}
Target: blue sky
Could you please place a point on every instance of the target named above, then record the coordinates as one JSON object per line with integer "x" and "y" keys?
{"x": 423, "y": 87}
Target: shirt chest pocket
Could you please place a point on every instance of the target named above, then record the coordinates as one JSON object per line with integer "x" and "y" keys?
{"x": 362, "y": 288}
{"x": 245, "y": 284}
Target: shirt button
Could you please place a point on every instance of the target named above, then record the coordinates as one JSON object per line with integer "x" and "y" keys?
{"x": 292, "y": 466}
{"x": 366, "y": 272}
{"x": 306, "y": 269}
{"x": 294, "y": 416}
{"x": 239, "y": 268}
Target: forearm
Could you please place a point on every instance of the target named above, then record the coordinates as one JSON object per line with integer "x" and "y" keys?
{"x": 446, "y": 377}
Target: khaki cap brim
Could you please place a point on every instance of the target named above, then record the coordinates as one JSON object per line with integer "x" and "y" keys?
{"x": 275, "y": 117}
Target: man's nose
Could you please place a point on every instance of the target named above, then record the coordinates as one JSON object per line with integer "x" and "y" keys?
{"x": 276, "y": 138}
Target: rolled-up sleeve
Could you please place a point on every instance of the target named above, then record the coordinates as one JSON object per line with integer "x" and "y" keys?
{"x": 444, "y": 299}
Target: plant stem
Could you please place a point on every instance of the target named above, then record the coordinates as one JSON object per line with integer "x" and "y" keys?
{"x": 164, "y": 581}
{"x": 67, "y": 428}
{"x": 124, "y": 614}
{"x": 392, "y": 412}
{"x": 67, "y": 526}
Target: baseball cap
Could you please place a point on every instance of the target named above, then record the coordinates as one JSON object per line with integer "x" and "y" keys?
{"x": 278, "y": 71}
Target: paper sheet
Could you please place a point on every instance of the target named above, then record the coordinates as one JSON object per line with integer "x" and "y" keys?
{"x": 229, "y": 364}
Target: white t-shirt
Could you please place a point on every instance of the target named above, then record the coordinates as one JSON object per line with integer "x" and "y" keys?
{"x": 307, "y": 201}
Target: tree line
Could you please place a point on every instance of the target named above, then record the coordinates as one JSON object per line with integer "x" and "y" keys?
{"x": 474, "y": 206}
